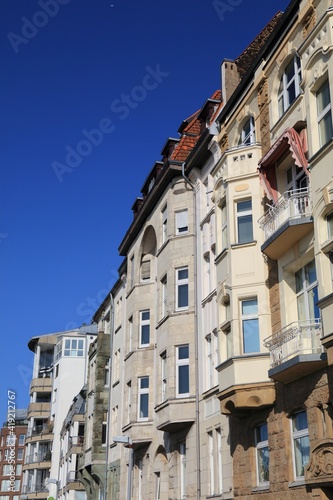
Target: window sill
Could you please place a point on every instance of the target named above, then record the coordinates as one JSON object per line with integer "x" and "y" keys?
{"x": 241, "y": 245}
{"x": 297, "y": 483}
{"x": 220, "y": 255}
{"x": 262, "y": 487}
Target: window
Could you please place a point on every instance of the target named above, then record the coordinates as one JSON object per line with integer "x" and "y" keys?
{"x": 182, "y": 460}
{"x": 130, "y": 333}
{"x": 116, "y": 367}
{"x": 250, "y": 326}
{"x": 181, "y": 222}
{"x": 145, "y": 268}
{"x": 164, "y": 224}
{"x": 143, "y": 398}
{"x": 107, "y": 373}
{"x": 5, "y": 485}
{"x": 19, "y": 455}
{"x": 10, "y": 440}
{"x": 248, "y": 133}
{"x": 104, "y": 427}
{"x": 183, "y": 375}
{"x": 163, "y": 375}
{"x": 211, "y": 462}
{"x": 6, "y": 470}
{"x": 132, "y": 270}
{"x": 289, "y": 85}
{"x": 73, "y": 347}
{"x": 164, "y": 298}
{"x": 307, "y": 293}
{"x": 144, "y": 328}
{"x": 219, "y": 459}
{"x": 157, "y": 485}
{"x": 224, "y": 227}
{"x": 262, "y": 454}
{"x": 182, "y": 288}
{"x": 18, "y": 470}
{"x": 301, "y": 443}
{"x": 329, "y": 220}
{"x": 129, "y": 400}
{"x": 244, "y": 221}
{"x": 324, "y": 114}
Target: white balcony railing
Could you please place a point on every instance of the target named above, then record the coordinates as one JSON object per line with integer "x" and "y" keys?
{"x": 291, "y": 205}
{"x": 300, "y": 337}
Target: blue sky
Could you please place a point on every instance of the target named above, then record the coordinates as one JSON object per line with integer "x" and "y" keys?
{"x": 90, "y": 91}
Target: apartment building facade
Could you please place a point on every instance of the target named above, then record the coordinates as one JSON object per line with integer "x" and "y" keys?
{"x": 59, "y": 373}
{"x": 12, "y": 441}
{"x": 274, "y": 182}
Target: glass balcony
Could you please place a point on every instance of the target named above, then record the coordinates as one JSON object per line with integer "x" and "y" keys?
{"x": 296, "y": 350}
{"x": 286, "y": 221}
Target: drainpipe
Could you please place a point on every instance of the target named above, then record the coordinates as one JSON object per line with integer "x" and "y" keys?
{"x": 196, "y": 340}
{"x": 109, "y": 398}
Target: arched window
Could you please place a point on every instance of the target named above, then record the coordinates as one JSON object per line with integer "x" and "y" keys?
{"x": 289, "y": 84}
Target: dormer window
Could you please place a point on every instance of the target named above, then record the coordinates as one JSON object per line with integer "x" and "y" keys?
{"x": 248, "y": 133}
{"x": 289, "y": 85}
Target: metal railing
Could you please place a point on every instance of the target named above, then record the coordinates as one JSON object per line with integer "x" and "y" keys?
{"x": 45, "y": 456}
{"x": 300, "y": 337}
{"x": 39, "y": 429}
{"x": 72, "y": 476}
{"x": 34, "y": 488}
{"x": 76, "y": 441}
{"x": 291, "y": 205}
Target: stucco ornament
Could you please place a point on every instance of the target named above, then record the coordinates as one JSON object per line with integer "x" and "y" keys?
{"x": 321, "y": 463}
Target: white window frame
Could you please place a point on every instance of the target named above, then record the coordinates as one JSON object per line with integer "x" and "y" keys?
{"x": 295, "y": 436}
{"x": 71, "y": 347}
{"x": 182, "y": 464}
{"x": 142, "y": 391}
{"x": 163, "y": 376}
{"x": 248, "y": 138}
{"x": 130, "y": 333}
{"x": 164, "y": 297}
{"x": 180, "y": 362}
{"x": 144, "y": 323}
{"x": 182, "y": 222}
{"x": 261, "y": 445}
{"x": 249, "y": 317}
{"x": 240, "y": 214}
{"x": 129, "y": 400}
{"x": 224, "y": 224}
{"x": 307, "y": 289}
{"x": 164, "y": 224}
{"x": 179, "y": 283}
{"x": 21, "y": 440}
{"x": 211, "y": 462}
{"x": 296, "y": 79}
{"x": 219, "y": 459}
{"x": 104, "y": 428}
{"x": 322, "y": 115}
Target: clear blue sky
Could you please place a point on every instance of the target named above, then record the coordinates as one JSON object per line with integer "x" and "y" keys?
{"x": 66, "y": 67}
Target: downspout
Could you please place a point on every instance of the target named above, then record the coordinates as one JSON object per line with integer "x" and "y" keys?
{"x": 196, "y": 340}
{"x": 109, "y": 398}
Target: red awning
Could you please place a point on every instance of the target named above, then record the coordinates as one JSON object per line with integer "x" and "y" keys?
{"x": 289, "y": 139}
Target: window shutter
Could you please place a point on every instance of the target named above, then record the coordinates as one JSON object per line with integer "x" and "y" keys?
{"x": 145, "y": 270}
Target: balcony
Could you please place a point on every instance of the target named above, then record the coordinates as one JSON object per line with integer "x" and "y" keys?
{"x": 73, "y": 482}
{"x": 175, "y": 414}
{"x": 244, "y": 384}
{"x": 296, "y": 351}
{"x": 75, "y": 444}
{"x": 287, "y": 221}
{"x": 39, "y": 409}
{"x": 36, "y": 490}
{"x": 43, "y": 384}
{"x": 40, "y": 457}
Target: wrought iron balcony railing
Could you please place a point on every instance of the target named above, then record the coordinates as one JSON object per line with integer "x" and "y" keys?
{"x": 300, "y": 337}
{"x": 290, "y": 206}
